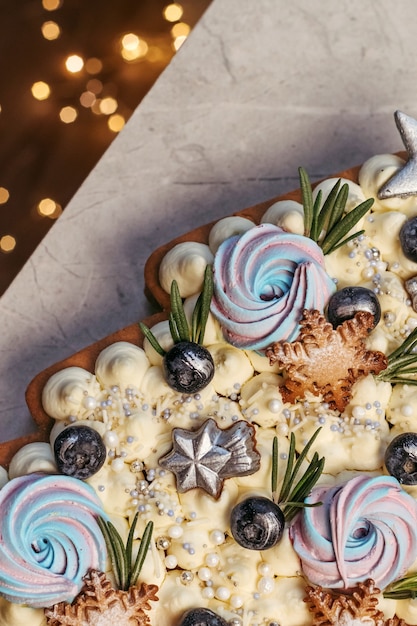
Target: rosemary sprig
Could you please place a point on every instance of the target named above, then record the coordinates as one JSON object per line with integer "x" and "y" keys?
{"x": 402, "y": 589}
{"x": 179, "y": 327}
{"x": 330, "y": 218}
{"x": 402, "y": 363}
{"x": 126, "y": 572}
{"x": 291, "y": 496}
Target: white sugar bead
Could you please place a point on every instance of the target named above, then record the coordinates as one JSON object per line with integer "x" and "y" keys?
{"x": 407, "y": 410}
{"x": 212, "y": 560}
{"x": 175, "y": 532}
{"x": 222, "y": 593}
{"x": 117, "y": 465}
{"x": 208, "y": 593}
{"x": 171, "y": 561}
{"x": 236, "y": 601}
{"x": 111, "y": 439}
{"x": 204, "y": 573}
{"x": 217, "y": 537}
{"x": 266, "y": 584}
{"x": 89, "y": 402}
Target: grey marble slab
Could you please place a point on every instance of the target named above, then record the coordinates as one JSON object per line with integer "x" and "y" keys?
{"x": 259, "y": 88}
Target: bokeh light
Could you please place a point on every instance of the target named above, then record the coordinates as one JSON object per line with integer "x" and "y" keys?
{"x": 74, "y": 63}
{"x": 116, "y": 122}
{"x": 50, "y": 30}
{"x": 7, "y": 243}
{"x": 40, "y": 90}
{"x": 4, "y": 195}
{"x": 173, "y": 12}
{"x": 68, "y": 114}
{"x": 51, "y": 5}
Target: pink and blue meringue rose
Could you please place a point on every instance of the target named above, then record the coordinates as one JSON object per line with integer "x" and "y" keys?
{"x": 365, "y": 528}
{"x": 49, "y": 539}
{"x": 263, "y": 280}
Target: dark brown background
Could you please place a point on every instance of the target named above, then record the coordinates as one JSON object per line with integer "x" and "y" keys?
{"x": 40, "y": 156}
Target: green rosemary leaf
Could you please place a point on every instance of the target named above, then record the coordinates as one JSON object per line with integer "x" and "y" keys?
{"x": 195, "y": 321}
{"x": 339, "y": 206}
{"x": 344, "y": 225}
{"x": 129, "y": 544}
{"x": 402, "y": 362}
{"x": 152, "y": 339}
{"x": 110, "y": 548}
{"x": 274, "y": 473}
{"x": 405, "y": 348}
{"x": 315, "y": 229}
{"x": 177, "y": 308}
{"x": 342, "y": 243}
{"x": 286, "y": 483}
{"x": 305, "y": 451}
{"x": 120, "y": 551}
{"x": 292, "y": 498}
{"x": 328, "y": 207}
{"x": 400, "y": 380}
{"x": 141, "y": 555}
{"x": 116, "y": 551}
{"x": 206, "y": 296}
{"x": 173, "y": 328}
{"x": 402, "y": 589}
{"x": 307, "y": 199}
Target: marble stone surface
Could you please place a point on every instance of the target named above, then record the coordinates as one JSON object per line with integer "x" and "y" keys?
{"x": 258, "y": 89}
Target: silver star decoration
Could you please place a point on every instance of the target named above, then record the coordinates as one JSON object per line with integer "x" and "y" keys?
{"x": 404, "y": 183}
{"x": 205, "y": 457}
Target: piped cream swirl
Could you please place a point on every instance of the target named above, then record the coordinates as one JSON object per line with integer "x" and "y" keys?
{"x": 263, "y": 280}
{"x": 49, "y": 538}
{"x": 365, "y": 528}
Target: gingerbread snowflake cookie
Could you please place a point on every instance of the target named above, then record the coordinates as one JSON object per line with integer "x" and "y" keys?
{"x": 327, "y": 361}
{"x": 348, "y": 610}
{"x": 99, "y": 604}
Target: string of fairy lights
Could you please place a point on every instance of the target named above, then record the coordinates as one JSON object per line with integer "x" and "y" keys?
{"x": 91, "y": 92}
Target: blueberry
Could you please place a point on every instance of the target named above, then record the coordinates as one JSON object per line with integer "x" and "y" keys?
{"x": 408, "y": 239}
{"x": 257, "y": 523}
{"x": 79, "y": 451}
{"x": 188, "y": 367}
{"x": 344, "y": 304}
{"x": 201, "y": 617}
{"x": 401, "y": 458}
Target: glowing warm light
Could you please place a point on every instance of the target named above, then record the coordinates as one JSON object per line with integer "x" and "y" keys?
{"x": 87, "y": 99}
{"x": 51, "y": 5}
{"x": 130, "y": 41}
{"x": 74, "y": 63}
{"x": 50, "y": 30}
{"x": 180, "y": 30}
{"x": 173, "y": 12}
{"x": 40, "y": 90}
{"x": 68, "y": 115}
{"x": 4, "y": 195}
{"x": 178, "y": 41}
{"x": 7, "y": 243}
{"x": 94, "y": 85}
{"x": 116, "y": 122}
{"x": 49, "y": 208}
{"x": 132, "y": 47}
{"x": 108, "y": 105}
{"x": 93, "y": 65}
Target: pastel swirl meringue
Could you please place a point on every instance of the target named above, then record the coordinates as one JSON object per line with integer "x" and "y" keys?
{"x": 365, "y": 528}
{"x": 49, "y": 539}
{"x": 263, "y": 280}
